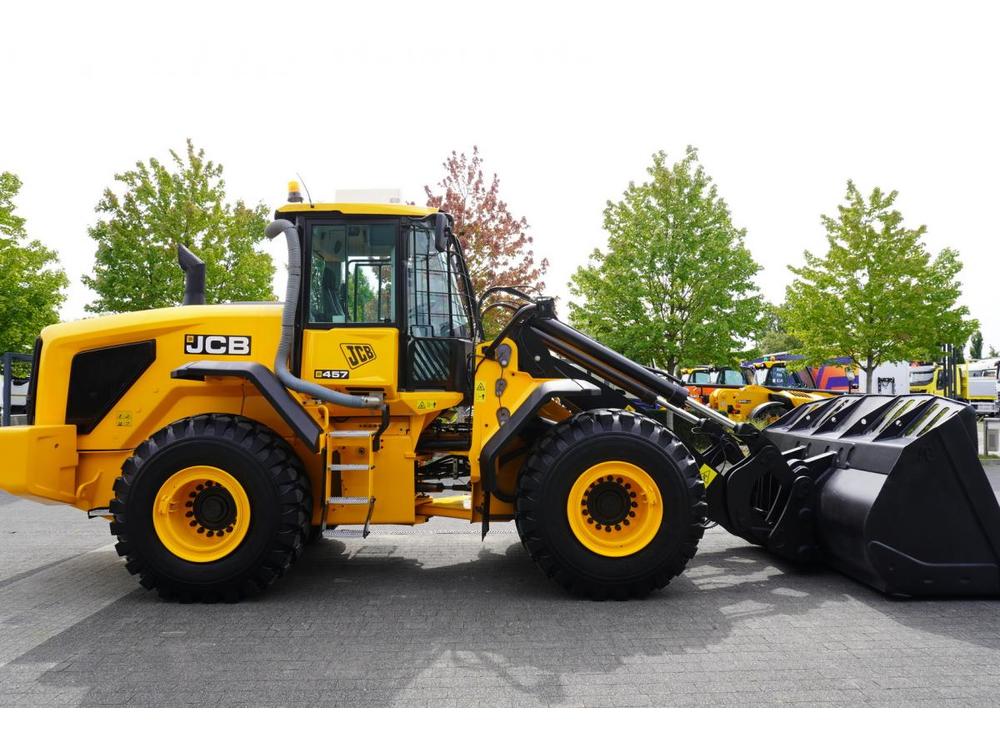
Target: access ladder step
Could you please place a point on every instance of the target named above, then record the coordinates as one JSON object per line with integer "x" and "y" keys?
{"x": 349, "y": 434}
{"x": 348, "y": 500}
{"x": 350, "y": 467}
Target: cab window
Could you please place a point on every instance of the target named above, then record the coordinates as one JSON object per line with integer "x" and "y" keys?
{"x": 435, "y": 296}
{"x": 352, "y": 273}
{"x": 732, "y": 377}
{"x": 781, "y": 376}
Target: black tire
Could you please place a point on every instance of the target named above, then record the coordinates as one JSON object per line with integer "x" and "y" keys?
{"x": 768, "y": 412}
{"x": 571, "y": 448}
{"x": 267, "y": 469}
{"x": 315, "y": 534}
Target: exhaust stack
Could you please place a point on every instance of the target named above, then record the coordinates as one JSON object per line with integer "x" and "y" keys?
{"x": 194, "y": 276}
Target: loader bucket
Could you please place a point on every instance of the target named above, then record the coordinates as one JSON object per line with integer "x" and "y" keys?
{"x": 889, "y": 490}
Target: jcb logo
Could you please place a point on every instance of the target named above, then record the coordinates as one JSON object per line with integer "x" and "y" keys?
{"x": 357, "y": 354}
{"x": 196, "y": 343}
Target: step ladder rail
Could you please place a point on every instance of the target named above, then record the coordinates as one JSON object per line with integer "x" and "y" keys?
{"x": 341, "y": 465}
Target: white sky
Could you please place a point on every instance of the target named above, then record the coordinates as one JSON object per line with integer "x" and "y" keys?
{"x": 567, "y": 102}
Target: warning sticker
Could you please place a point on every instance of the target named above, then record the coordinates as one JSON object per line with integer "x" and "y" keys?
{"x": 480, "y": 391}
{"x": 426, "y": 404}
{"x": 123, "y": 419}
{"x": 708, "y": 474}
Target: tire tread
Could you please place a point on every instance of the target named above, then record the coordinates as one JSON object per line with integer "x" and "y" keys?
{"x": 294, "y": 495}
{"x": 541, "y": 461}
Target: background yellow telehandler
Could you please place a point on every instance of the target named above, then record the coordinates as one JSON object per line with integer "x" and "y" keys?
{"x": 773, "y": 389}
{"x": 220, "y": 438}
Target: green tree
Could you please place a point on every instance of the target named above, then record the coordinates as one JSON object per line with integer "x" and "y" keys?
{"x": 976, "y": 346}
{"x": 498, "y": 249}
{"x": 31, "y": 281}
{"x": 676, "y": 282}
{"x": 497, "y": 246}
{"x": 156, "y": 206}
{"x": 877, "y": 295}
{"x": 776, "y": 337}
{"x": 993, "y": 352}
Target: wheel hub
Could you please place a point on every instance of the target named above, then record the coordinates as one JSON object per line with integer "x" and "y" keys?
{"x": 608, "y": 501}
{"x": 214, "y": 508}
{"x": 201, "y": 514}
{"x": 615, "y": 508}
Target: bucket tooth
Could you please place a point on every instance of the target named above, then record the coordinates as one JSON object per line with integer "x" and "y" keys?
{"x": 807, "y": 415}
{"x": 837, "y": 414}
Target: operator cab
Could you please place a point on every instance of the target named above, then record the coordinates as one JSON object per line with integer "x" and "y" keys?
{"x": 383, "y": 284}
{"x": 778, "y": 375}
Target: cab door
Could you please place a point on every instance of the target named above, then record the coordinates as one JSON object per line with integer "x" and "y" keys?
{"x": 438, "y": 332}
{"x": 351, "y": 304}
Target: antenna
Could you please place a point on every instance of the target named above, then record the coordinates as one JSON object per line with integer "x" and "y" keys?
{"x": 306, "y": 188}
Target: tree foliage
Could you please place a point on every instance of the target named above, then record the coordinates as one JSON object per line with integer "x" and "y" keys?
{"x": 31, "y": 281}
{"x": 776, "y": 337}
{"x": 877, "y": 295}
{"x": 976, "y": 346}
{"x": 676, "y": 284}
{"x": 497, "y": 246}
{"x": 157, "y": 205}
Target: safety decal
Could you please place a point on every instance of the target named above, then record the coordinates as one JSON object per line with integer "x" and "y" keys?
{"x": 707, "y": 474}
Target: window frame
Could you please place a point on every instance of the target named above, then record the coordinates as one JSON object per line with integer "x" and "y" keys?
{"x": 457, "y": 302}
{"x": 305, "y": 290}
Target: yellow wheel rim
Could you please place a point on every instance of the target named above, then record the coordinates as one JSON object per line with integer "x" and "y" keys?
{"x": 201, "y": 514}
{"x": 614, "y": 509}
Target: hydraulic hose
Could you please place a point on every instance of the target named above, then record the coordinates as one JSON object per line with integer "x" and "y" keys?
{"x": 283, "y": 226}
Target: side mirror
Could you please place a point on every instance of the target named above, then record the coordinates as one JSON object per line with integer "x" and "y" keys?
{"x": 442, "y": 225}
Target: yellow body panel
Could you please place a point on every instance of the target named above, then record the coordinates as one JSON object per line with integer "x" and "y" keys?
{"x": 156, "y": 399}
{"x": 51, "y": 461}
{"x": 739, "y": 403}
{"x": 391, "y": 480}
{"x": 935, "y": 387}
{"x": 368, "y": 356}
{"x": 39, "y": 463}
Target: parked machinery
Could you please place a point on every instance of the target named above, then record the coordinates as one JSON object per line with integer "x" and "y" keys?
{"x": 218, "y": 439}
{"x": 974, "y": 383}
{"x": 702, "y": 381}
{"x": 774, "y": 389}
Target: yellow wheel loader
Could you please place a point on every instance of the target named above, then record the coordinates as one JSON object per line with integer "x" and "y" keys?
{"x": 219, "y": 439}
{"x": 773, "y": 390}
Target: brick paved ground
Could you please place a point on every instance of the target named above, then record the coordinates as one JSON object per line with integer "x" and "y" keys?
{"x": 438, "y": 618}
